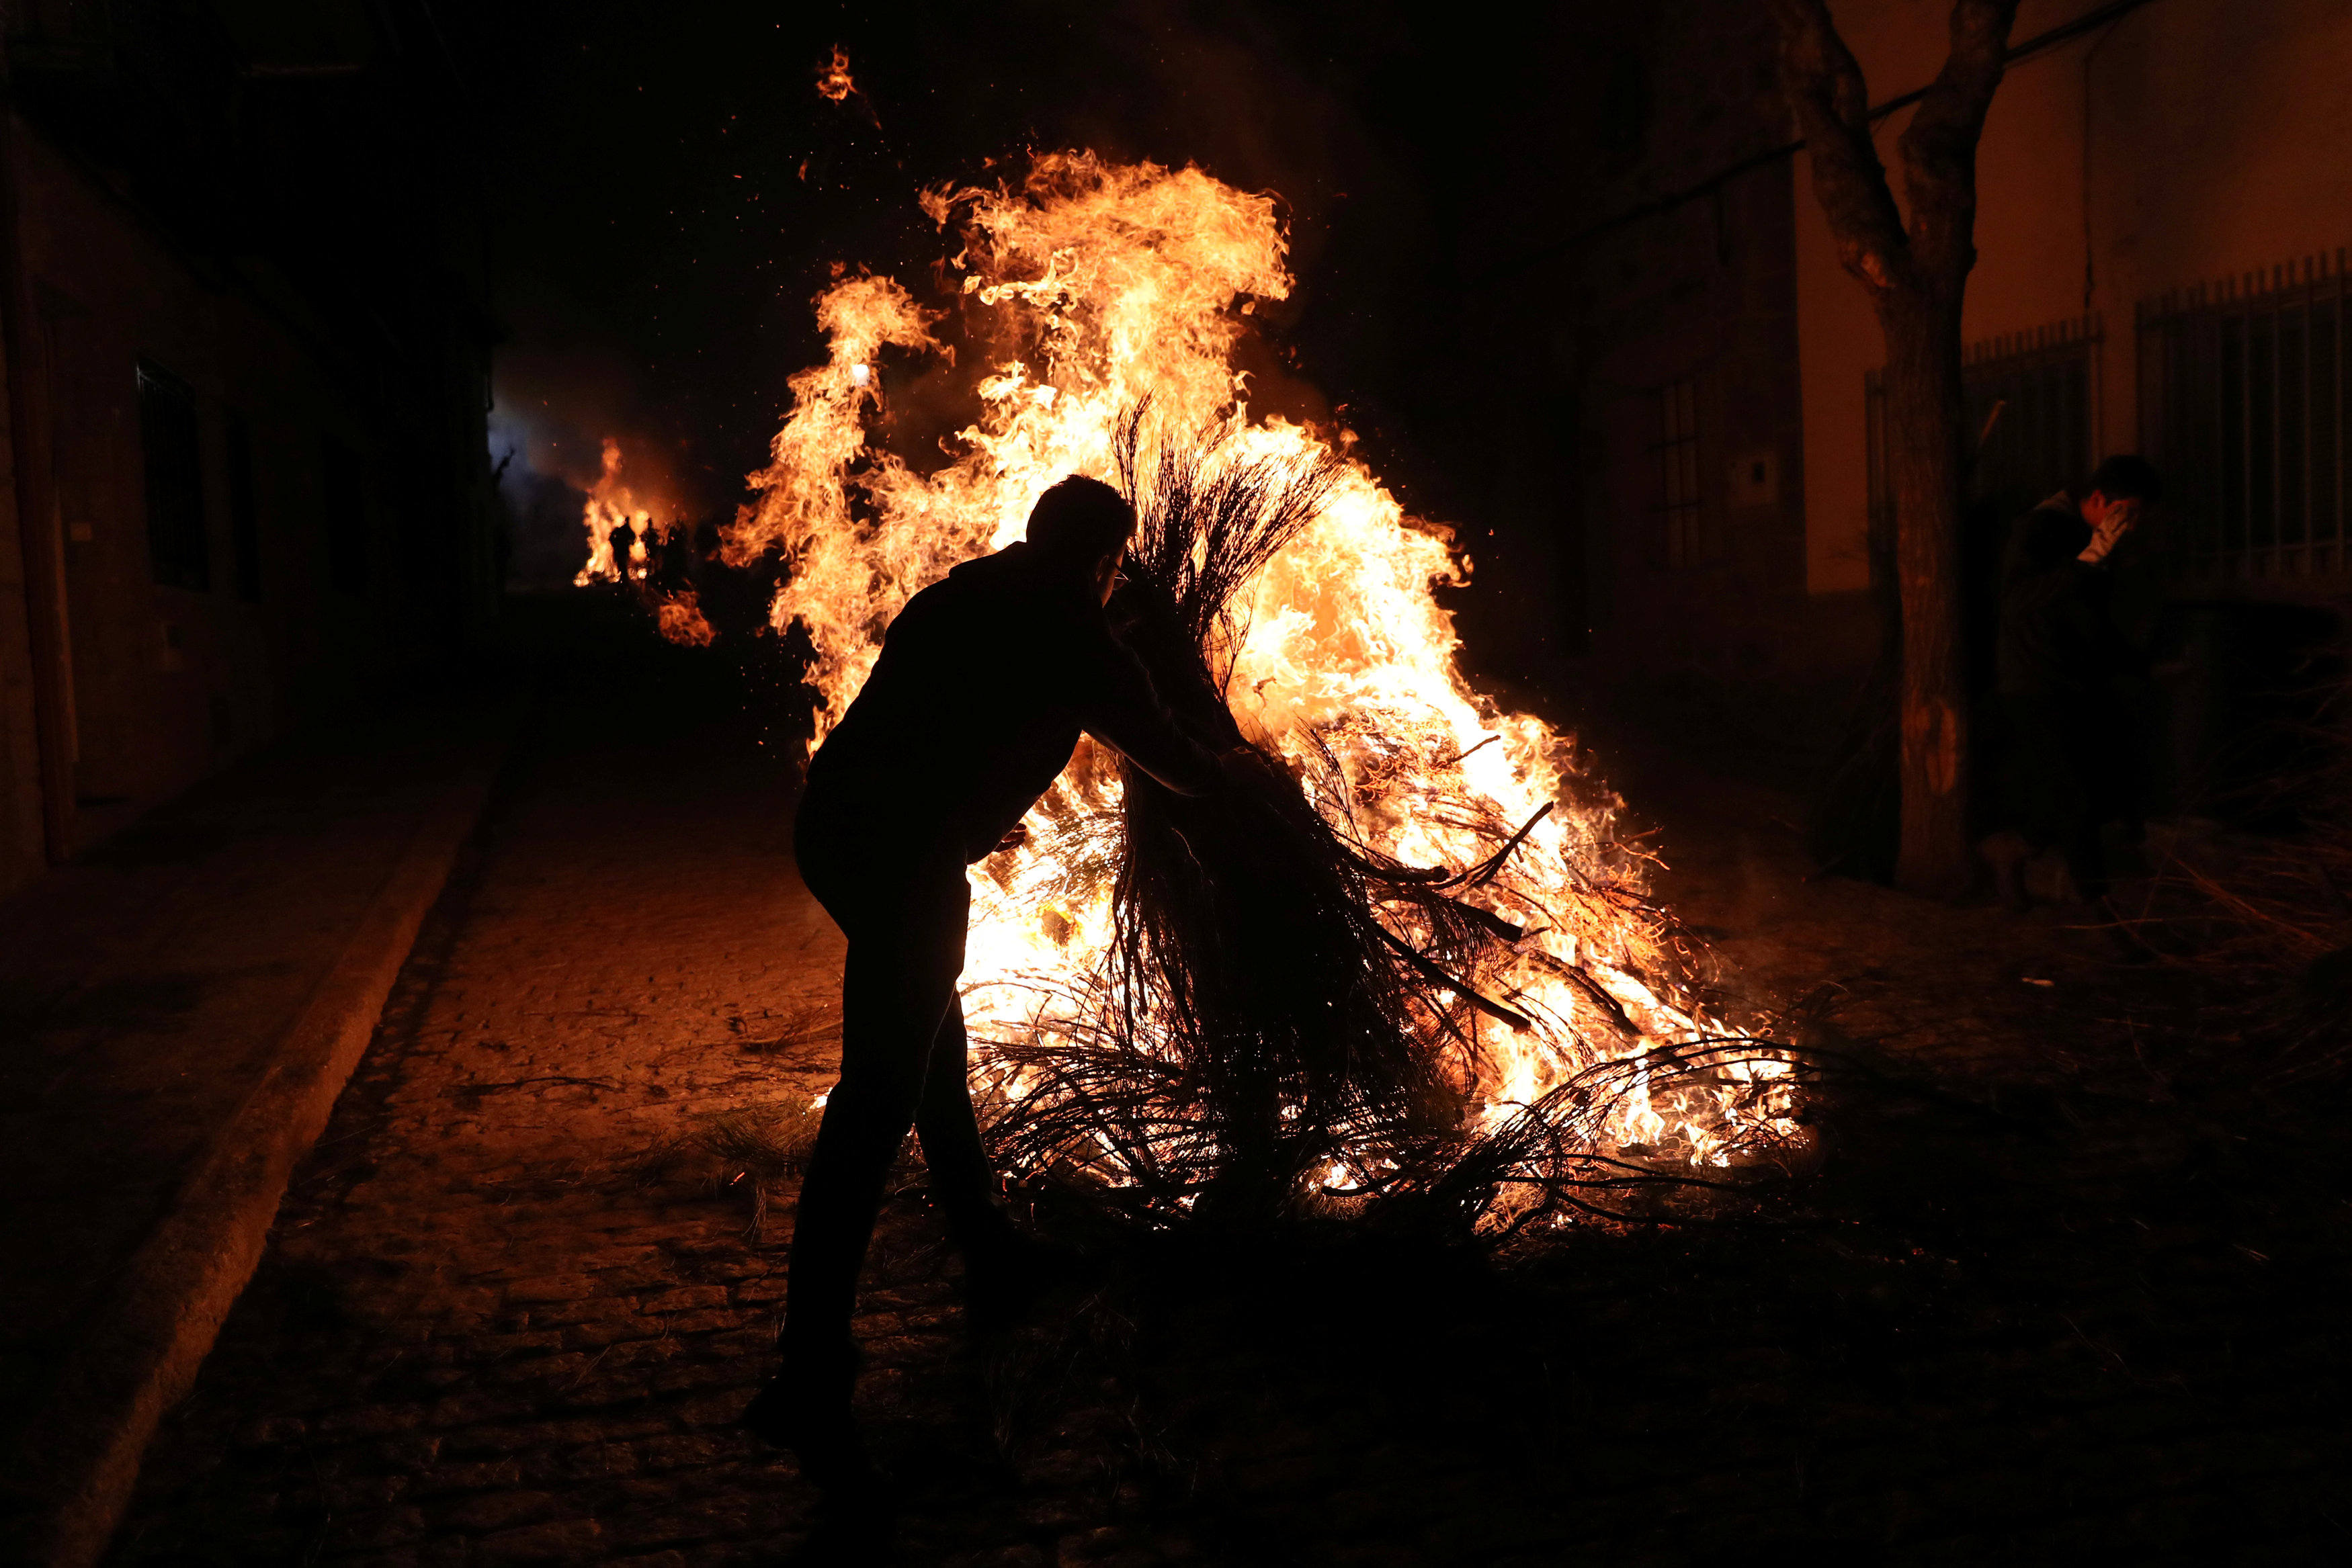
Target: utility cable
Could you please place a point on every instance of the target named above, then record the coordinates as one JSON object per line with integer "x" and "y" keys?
{"x": 2039, "y": 44}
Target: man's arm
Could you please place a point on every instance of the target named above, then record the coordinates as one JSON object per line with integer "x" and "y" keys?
{"x": 1124, "y": 712}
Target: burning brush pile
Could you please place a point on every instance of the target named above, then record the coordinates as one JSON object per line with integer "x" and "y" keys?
{"x": 1404, "y": 966}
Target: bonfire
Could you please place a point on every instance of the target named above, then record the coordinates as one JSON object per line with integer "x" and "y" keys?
{"x": 1413, "y": 968}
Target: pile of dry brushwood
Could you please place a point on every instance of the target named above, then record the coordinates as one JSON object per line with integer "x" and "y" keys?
{"x": 1291, "y": 1011}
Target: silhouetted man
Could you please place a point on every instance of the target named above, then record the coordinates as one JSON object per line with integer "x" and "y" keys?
{"x": 984, "y": 683}
{"x": 2075, "y": 750}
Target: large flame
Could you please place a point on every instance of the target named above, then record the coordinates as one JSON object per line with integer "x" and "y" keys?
{"x": 610, "y": 506}
{"x": 1103, "y": 285}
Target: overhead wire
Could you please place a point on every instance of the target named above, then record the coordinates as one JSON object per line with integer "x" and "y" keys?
{"x": 2039, "y": 44}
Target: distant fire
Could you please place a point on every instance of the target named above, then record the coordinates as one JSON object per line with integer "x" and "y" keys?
{"x": 1116, "y": 283}
{"x": 832, "y": 78}
{"x": 624, "y": 533}
{"x": 620, "y": 527}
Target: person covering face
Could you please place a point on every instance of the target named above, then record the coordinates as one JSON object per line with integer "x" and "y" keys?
{"x": 2071, "y": 739}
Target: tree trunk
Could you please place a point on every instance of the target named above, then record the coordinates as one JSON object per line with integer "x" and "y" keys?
{"x": 1925, "y": 415}
{"x": 1914, "y": 270}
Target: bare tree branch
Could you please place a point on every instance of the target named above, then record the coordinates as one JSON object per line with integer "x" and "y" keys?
{"x": 1939, "y": 146}
{"x": 1824, "y": 82}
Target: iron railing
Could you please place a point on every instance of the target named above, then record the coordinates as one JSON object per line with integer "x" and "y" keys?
{"x": 2242, "y": 387}
{"x": 1679, "y": 537}
{"x": 2032, "y": 400}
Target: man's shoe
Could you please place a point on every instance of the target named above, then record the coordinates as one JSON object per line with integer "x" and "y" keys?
{"x": 805, "y": 1407}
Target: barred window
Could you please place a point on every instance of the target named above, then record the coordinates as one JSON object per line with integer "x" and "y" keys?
{"x": 2243, "y": 393}
{"x": 244, "y": 514}
{"x": 171, "y": 454}
{"x": 346, "y": 519}
{"x": 1680, "y": 541}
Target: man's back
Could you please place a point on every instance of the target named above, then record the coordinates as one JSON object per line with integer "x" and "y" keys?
{"x": 985, "y": 682}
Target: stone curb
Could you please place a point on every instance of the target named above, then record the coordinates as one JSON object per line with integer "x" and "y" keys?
{"x": 141, "y": 1357}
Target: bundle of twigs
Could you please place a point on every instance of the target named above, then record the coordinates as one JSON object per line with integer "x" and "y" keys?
{"x": 1287, "y": 1016}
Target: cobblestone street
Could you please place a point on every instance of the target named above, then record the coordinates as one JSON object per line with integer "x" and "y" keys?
{"x": 2060, "y": 1291}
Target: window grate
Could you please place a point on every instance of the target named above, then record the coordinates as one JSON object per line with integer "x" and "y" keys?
{"x": 243, "y": 518}
{"x": 2030, "y": 400}
{"x": 346, "y": 519}
{"x": 172, "y": 455}
{"x": 2243, "y": 405}
{"x": 1680, "y": 541}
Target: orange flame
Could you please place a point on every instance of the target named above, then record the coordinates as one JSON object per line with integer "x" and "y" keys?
{"x": 680, "y": 619}
{"x": 1122, "y": 281}
{"x": 832, "y": 78}
{"x": 610, "y": 504}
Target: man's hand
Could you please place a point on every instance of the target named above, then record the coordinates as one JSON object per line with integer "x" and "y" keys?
{"x": 1013, "y": 840}
{"x": 2109, "y": 521}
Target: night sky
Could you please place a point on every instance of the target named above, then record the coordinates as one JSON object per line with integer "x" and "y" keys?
{"x": 657, "y": 242}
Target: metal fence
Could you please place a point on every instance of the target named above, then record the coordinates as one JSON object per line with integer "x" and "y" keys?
{"x": 1679, "y": 537}
{"x": 2242, "y": 405}
{"x": 2032, "y": 412}
{"x": 2031, "y": 402}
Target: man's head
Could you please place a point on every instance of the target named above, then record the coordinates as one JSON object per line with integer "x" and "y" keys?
{"x": 2118, "y": 491}
{"x": 1084, "y": 524}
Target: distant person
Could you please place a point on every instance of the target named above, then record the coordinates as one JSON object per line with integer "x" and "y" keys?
{"x": 669, "y": 568}
{"x": 985, "y": 682}
{"x": 2077, "y": 751}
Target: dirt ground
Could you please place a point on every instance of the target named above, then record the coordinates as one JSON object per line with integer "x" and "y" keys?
{"x": 2063, "y": 1287}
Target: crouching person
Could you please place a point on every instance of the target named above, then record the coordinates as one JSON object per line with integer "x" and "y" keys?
{"x": 985, "y": 682}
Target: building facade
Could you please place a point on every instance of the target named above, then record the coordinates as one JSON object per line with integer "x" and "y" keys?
{"x": 246, "y": 373}
{"x": 2165, "y": 197}
{"x": 2163, "y": 204}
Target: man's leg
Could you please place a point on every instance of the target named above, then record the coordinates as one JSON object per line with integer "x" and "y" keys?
{"x": 903, "y": 906}
{"x": 962, "y": 1181}
{"x": 2086, "y": 858}
{"x": 1006, "y": 1270}
{"x": 2084, "y": 739}
{"x": 899, "y": 982}
{"x": 895, "y": 994}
